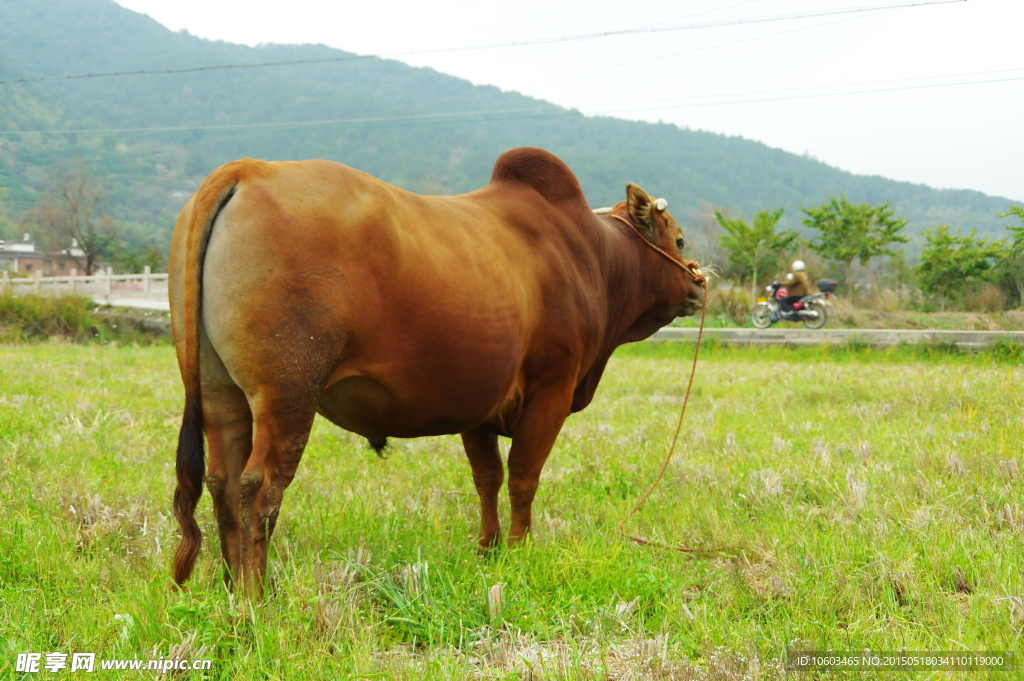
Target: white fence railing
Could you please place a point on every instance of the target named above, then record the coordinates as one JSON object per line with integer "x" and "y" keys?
{"x": 146, "y": 290}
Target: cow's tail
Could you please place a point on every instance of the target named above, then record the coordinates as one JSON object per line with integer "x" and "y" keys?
{"x": 212, "y": 196}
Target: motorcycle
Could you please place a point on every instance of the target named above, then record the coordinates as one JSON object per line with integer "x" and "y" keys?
{"x": 812, "y": 309}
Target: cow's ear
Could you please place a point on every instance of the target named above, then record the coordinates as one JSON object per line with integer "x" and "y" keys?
{"x": 638, "y": 206}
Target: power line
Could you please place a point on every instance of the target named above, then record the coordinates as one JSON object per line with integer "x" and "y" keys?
{"x": 714, "y": 10}
{"x": 538, "y": 112}
{"x": 191, "y": 69}
{"x": 810, "y": 96}
{"x": 825, "y": 94}
{"x": 708, "y": 47}
{"x": 540, "y": 41}
{"x": 289, "y": 124}
{"x": 689, "y": 27}
{"x": 647, "y": 25}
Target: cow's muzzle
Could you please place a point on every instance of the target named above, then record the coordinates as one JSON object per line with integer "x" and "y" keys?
{"x": 694, "y": 304}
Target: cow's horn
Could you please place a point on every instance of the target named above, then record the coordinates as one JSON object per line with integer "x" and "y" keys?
{"x": 602, "y": 211}
{"x": 661, "y": 204}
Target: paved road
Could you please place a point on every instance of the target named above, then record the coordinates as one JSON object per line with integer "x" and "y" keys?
{"x": 780, "y": 335}
{"x": 772, "y": 336}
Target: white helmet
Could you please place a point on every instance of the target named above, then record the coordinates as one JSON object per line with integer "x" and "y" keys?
{"x": 799, "y": 266}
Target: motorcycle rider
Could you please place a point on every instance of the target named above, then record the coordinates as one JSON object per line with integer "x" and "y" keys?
{"x": 797, "y": 285}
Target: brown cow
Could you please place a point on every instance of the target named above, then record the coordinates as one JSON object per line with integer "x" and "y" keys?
{"x": 299, "y": 288}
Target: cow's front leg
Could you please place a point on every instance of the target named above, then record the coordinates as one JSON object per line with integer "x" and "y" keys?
{"x": 488, "y": 474}
{"x": 532, "y": 439}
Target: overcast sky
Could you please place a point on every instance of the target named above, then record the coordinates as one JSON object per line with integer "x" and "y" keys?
{"x": 763, "y": 80}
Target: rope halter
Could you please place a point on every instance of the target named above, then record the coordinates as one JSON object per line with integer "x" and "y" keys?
{"x": 691, "y": 267}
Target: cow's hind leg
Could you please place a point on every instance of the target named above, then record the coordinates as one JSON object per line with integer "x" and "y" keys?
{"x": 229, "y": 432}
{"x": 282, "y": 425}
{"x": 227, "y": 422}
{"x": 488, "y": 474}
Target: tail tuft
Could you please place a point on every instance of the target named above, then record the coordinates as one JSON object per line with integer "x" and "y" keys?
{"x": 190, "y": 467}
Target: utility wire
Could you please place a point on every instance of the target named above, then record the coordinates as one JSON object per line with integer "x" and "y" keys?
{"x": 541, "y": 41}
{"x": 192, "y": 69}
{"x": 707, "y": 48}
{"x": 691, "y": 27}
{"x": 810, "y": 96}
{"x": 821, "y": 87}
{"x": 288, "y": 124}
{"x": 714, "y": 10}
{"x": 548, "y": 48}
{"x": 538, "y": 112}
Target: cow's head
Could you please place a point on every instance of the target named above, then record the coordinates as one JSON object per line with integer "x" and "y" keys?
{"x": 681, "y": 292}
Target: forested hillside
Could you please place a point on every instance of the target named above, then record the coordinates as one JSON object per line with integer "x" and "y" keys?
{"x": 427, "y": 132}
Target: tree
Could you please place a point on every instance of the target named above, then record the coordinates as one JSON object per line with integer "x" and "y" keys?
{"x": 69, "y": 214}
{"x": 757, "y": 249}
{"x": 853, "y": 232}
{"x": 9, "y": 228}
{"x": 5, "y": 225}
{"x": 951, "y": 264}
{"x": 1010, "y": 268}
{"x": 128, "y": 257}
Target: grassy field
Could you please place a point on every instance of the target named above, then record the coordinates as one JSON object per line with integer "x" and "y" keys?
{"x": 859, "y": 499}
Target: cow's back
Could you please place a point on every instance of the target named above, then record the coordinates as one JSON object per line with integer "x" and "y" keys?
{"x": 426, "y": 313}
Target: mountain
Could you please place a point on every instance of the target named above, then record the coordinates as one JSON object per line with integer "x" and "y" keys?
{"x": 414, "y": 127}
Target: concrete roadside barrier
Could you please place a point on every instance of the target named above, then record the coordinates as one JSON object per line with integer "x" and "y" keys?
{"x": 872, "y": 337}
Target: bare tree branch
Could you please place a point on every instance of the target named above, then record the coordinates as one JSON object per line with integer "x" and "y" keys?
{"x": 69, "y": 214}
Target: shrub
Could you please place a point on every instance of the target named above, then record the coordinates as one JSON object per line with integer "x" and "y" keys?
{"x": 27, "y": 318}
{"x": 988, "y": 298}
{"x": 730, "y": 303}
{"x": 891, "y": 299}
{"x": 32, "y": 318}
{"x": 1007, "y": 350}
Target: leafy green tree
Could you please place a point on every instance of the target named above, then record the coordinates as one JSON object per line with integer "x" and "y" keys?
{"x": 132, "y": 258}
{"x": 5, "y": 225}
{"x": 853, "y": 232}
{"x": 1010, "y": 268}
{"x": 755, "y": 250}
{"x": 951, "y": 265}
{"x": 9, "y": 229}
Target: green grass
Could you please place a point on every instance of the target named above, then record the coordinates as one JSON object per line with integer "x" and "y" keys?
{"x": 861, "y": 500}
